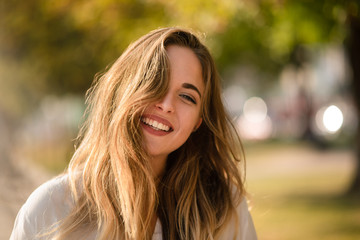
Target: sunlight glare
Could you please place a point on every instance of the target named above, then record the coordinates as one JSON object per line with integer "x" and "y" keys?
{"x": 333, "y": 118}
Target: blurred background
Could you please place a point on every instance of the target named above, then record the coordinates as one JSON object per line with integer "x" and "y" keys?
{"x": 291, "y": 77}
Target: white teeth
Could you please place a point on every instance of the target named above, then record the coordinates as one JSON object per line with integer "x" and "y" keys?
{"x": 156, "y": 125}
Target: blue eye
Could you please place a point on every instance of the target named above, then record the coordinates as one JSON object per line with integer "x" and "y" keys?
{"x": 188, "y": 98}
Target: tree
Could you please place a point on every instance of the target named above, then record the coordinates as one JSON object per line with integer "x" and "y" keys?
{"x": 354, "y": 53}
{"x": 270, "y": 34}
{"x": 56, "y": 47}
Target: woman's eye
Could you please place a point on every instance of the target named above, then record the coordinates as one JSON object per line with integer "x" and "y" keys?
{"x": 188, "y": 98}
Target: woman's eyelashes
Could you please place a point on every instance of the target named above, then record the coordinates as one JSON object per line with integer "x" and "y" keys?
{"x": 188, "y": 98}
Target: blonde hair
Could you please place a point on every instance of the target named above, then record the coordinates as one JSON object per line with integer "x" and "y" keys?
{"x": 111, "y": 179}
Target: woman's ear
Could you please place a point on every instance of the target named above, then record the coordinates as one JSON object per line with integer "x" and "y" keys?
{"x": 197, "y": 125}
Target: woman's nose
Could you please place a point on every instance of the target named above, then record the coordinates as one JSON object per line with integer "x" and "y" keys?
{"x": 166, "y": 104}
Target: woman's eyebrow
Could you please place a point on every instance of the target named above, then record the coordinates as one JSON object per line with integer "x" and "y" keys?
{"x": 191, "y": 86}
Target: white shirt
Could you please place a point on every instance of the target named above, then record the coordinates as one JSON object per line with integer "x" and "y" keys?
{"x": 52, "y": 202}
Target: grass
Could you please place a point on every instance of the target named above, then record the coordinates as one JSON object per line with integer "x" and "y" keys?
{"x": 296, "y": 191}
{"x": 302, "y": 205}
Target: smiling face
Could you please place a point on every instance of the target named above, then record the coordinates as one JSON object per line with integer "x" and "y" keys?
{"x": 168, "y": 123}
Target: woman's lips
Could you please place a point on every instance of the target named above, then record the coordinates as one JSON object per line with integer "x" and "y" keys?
{"x": 156, "y": 125}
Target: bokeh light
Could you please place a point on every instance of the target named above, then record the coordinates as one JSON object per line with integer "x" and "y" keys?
{"x": 254, "y": 123}
{"x": 255, "y": 109}
{"x": 329, "y": 119}
{"x": 333, "y": 118}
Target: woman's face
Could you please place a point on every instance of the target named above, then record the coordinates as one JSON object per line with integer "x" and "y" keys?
{"x": 168, "y": 123}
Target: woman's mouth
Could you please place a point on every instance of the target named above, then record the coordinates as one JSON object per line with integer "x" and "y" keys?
{"x": 156, "y": 125}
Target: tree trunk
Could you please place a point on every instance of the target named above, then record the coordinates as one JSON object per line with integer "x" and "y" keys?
{"x": 354, "y": 56}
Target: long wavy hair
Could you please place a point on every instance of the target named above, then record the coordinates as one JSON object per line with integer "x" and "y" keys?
{"x": 111, "y": 179}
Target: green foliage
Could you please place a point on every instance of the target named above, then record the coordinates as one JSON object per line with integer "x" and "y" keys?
{"x": 70, "y": 41}
{"x": 267, "y": 33}
{"x": 56, "y": 47}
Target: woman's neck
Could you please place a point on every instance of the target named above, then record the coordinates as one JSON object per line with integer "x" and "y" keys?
{"x": 158, "y": 164}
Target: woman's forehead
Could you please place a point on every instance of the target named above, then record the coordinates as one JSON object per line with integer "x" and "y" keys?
{"x": 185, "y": 67}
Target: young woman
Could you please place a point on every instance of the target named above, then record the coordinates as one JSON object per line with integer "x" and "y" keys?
{"x": 158, "y": 156}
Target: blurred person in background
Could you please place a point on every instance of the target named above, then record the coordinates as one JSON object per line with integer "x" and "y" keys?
{"x": 158, "y": 156}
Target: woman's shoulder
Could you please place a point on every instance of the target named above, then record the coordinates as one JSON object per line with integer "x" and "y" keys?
{"x": 51, "y": 196}
{"x": 240, "y": 225}
{"x": 245, "y": 227}
{"x": 45, "y": 207}
{"x": 56, "y": 190}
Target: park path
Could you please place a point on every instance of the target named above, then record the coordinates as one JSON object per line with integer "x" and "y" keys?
{"x": 19, "y": 178}
{"x": 296, "y": 159}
